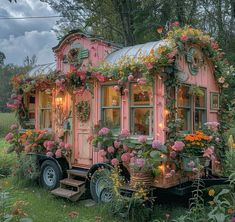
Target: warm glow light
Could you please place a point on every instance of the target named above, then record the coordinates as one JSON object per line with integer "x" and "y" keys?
{"x": 161, "y": 167}
{"x": 59, "y": 100}
{"x": 167, "y": 112}
{"x": 160, "y": 125}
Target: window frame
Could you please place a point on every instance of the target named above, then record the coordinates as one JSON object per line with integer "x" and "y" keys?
{"x": 192, "y": 107}
{"x": 211, "y": 101}
{"x": 42, "y": 109}
{"x": 131, "y": 112}
{"x": 103, "y": 108}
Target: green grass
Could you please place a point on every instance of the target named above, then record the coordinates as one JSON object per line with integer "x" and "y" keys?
{"x": 6, "y": 119}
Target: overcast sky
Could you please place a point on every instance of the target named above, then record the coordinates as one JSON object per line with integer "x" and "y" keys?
{"x": 21, "y": 38}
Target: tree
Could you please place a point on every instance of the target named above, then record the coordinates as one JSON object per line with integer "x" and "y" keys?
{"x": 2, "y": 58}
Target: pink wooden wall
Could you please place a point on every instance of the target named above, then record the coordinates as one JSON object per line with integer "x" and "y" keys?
{"x": 97, "y": 52}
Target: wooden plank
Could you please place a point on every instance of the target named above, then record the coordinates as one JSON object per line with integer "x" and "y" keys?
{"x": 64, "y": 192}
{"x": 72, "y": 182}
{"x": 79, "y": 173}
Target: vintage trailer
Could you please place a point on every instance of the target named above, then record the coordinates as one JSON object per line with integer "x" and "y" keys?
{"x": 141, "y": 111}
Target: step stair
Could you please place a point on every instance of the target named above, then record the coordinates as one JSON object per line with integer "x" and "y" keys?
{"x": 77, "y": 173}
{"x": 71, "y": 187}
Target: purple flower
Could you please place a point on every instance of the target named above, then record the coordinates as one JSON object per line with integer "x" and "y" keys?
{"x": 104, "y": 131}
{"x": 173, "y": 154}
{"x": 142, "y": 139}
{"x": 140, "y": 162}
{"x": 125, "y": 133}
{"x": 156, "y": 144}
{"x": 178, "y": 146}
{"x": 9, "y": 137}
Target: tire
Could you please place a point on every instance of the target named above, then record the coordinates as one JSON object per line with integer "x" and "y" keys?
{"x": 50, "y": 175}
{"x": 101, "y": 186}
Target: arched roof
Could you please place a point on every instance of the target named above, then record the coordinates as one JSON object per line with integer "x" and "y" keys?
{"x": 134, "y": 51}
{"x": 44, "y": 69}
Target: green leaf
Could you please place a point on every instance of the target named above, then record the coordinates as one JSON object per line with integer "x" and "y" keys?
{"x": 156, "y": 155}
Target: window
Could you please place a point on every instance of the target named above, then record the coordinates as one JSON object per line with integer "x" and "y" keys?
{"x": 141, "y": 110}
{"x": 110, "y": 111}
{"x": 214, "y": 101}
{"x": 29, "y": 102}
{"x": 191, "y": 109}
{"x": 45, "y": 110}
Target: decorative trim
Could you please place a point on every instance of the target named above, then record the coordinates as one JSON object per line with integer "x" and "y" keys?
{"x": 214, "y": 106}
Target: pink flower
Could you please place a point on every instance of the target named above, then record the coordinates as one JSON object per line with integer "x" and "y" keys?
{"x": 214, "y": 45}
{"x": 104, "y": 131}
{"x": 110, "y": 149}
{"x": 172, "y": 172}
{"x": 12, "y": 106}
{"x": 102, "y": 153}
{"x": 126, "y": 91}
{"x": 178, "y": 146}
{"x": 173, "y": 154}
{"x": 125, "y": 133}
{"x": 191, "y": 164}
{"x": 116, "y": 88}
{"x": 125, "y": 157}
{"x": 168, "y": 175}
{"x": 209, "y": 153}
{"x": 130, "y": 77}
{"x": 142, "y": 139}
{"x": 172, "y": 54}
{"x": 120, "y": 82}
{"x": 149, "y": 65}
{"x": 9, "y": 137}
{"x": 125, "y": 147}
{"x": 40, "y": 136}
{"x": 100, "y": 77}
{"x": 156, "y": 144}
{"x": 117, "y": 144}
{"x": 184, "y": 38}
{"x": 140, "y": 162}
{"x": 67, "y": 146}
{"x": 132, "y": 159}
{"x": 58, "y": 153}
{"x": 45, "y": 143}
{"x": 142, "y": 81}
{"x": 114, "y": 161}
{"x": 195, "y": 170}
{"x": 175, "y": 24}
{"x": 19, "y": 97}
{"x": 14, "y": 126}
{"x": 49, "y": 154}
{"x": 61, "y": 144}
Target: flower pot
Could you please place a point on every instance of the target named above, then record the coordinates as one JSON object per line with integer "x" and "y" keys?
{"x": 197, "y": 160}
{"x": 140, "y": 178}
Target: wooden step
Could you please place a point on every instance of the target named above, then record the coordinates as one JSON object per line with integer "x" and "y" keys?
{"x": 72, "y": 182}
{"x": 80, "y": 173}
{"x": 64, "y": 193}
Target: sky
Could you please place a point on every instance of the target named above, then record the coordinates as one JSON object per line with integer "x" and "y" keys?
{"x": 21, "y": 38}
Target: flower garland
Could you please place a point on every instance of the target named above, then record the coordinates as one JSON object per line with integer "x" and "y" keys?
{"x": 83, "y": 111}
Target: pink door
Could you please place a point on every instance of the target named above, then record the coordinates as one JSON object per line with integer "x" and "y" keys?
{"x": 83, "y": 129}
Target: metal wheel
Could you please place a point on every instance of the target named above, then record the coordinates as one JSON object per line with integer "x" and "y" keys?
{"x": 49, "y": 176}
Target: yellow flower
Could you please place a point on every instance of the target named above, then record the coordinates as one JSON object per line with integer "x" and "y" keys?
{"x": 211, "y": 192}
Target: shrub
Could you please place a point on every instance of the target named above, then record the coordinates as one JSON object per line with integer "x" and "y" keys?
{"x": 6, "y": 120}
{"x": 6, "y": 161}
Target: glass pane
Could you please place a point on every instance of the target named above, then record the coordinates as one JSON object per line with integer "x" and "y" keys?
{"x": 142, "y": 119}
{"x": 141, "y": 95}
{"x": 45, "y": 119}
{"x": 110, "y": 96}
{"x": 45, "y": 100}
{"x": 112, "y": 119}
{"x": 200, "y": 101}
{"x": 183, "y": 97}
{"x": 215, "y": 101}
{"x": 199, "y": 119}
{"x": 184, "y": 115}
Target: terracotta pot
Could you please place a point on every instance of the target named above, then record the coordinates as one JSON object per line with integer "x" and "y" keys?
{"x": 140, "y": 179}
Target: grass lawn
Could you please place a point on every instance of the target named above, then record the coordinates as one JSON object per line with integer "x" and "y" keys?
{"x": 6, "y": 119}
{"x": 41, "y": 206}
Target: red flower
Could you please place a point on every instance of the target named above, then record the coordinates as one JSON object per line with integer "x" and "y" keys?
{"x": 175, "y": 24}
{"x": 184, "y": 38}
{"x": 214, "y": 45}
{"x": 159, "y": 29}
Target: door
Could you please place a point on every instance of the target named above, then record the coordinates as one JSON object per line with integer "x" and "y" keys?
{"x": 83, "y": 129}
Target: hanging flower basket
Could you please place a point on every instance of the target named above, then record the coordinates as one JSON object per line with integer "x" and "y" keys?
{"x": 140, "y": 178}
{"x": 191, "y": 162}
